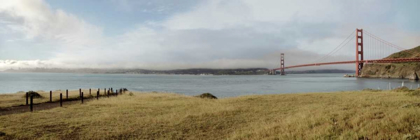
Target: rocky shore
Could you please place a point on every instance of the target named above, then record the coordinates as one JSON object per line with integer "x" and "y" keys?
{"x": 410, "y": 70}
{"x": 401, "y": 71}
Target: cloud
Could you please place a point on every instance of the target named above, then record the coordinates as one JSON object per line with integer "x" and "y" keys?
{"x": 203, "y": 34}
{"x": 155, "y": 6}
{"x": 35, "y": 19}
{"x": 52, "y": 31}
{"x": 221, "y": 14}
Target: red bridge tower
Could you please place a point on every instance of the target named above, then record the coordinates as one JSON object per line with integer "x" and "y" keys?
{"x": 359, "y": 51}
{"x": 282, "y": 64}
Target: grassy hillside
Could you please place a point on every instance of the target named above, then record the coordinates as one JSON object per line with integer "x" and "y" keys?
{"x": 367, "y": 114}
{"x": 410, "y": 53}
{"x": 409, "y": 70}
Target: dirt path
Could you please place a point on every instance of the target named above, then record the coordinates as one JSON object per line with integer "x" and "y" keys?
{"x": 44, "y": 106}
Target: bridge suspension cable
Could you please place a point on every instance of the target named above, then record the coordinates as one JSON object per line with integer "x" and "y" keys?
{"x": 339, "y": 47}
{"x": 378, "y": 48}
{"x": 384, "y": 41}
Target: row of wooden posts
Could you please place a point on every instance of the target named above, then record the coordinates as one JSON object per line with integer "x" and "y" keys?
{"x": 109, "y": 92}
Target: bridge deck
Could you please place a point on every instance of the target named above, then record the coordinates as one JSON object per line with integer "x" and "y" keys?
{"x": 398, "y": 60}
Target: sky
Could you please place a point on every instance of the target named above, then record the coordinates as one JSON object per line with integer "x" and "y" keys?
{"x": 176, "y": 34}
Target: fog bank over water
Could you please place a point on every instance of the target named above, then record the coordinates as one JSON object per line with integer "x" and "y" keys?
{"x": 269, "y": 61}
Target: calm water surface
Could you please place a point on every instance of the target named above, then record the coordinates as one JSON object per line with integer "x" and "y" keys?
{"x": 221, "y": 86}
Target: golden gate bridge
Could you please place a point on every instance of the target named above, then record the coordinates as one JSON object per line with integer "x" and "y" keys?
{"x": 375, "y": 48}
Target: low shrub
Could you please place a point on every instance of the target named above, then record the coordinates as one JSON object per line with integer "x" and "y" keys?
{"x": 371, "y": 90}
{"x": 207, "y": 95}
{"x": 409, "y": 137}
{"x": 33, "y": 94}
{"x": 402, "y": 89}
{"x": 414, "y": 93}
{"x": 2, "y": 134}
{"x": 131, "y": 94}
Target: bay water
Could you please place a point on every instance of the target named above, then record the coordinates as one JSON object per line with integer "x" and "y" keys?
{"x": 221, "y": 86}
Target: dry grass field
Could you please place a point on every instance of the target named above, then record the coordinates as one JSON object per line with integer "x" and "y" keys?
{"x": 366, "y": 114}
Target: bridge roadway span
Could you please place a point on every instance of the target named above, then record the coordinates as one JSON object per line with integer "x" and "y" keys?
{"x": 398, "y": 60}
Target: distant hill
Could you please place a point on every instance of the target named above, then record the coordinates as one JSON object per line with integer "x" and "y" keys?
{"x": 240, "y": 71}
{"x": 409, "y": 70}
{"x": 320, "y": 71}
{"x": 196, "y": 71}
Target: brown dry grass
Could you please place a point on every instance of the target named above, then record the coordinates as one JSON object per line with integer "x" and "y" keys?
{"x": 339, "y": 115}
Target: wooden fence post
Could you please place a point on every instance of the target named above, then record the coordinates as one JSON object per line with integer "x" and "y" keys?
{"x": 67, "y": 94}
{"x": 90, "y": 92}
{"x": 82, "y": 97}
{"x": 31, "y": 104}
{"x": 107, "y": 94}
{"x": 61, "y": 100}
{"x": 97, "y": 95}
{"x": 50, "y": 96}
{"x": 27, "y": 94}
{"x": 104, "y": 91}
{"x": 116, "y": 92}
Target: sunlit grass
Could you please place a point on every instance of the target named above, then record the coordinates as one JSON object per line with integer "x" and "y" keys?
{"x": 339, "y": 115}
